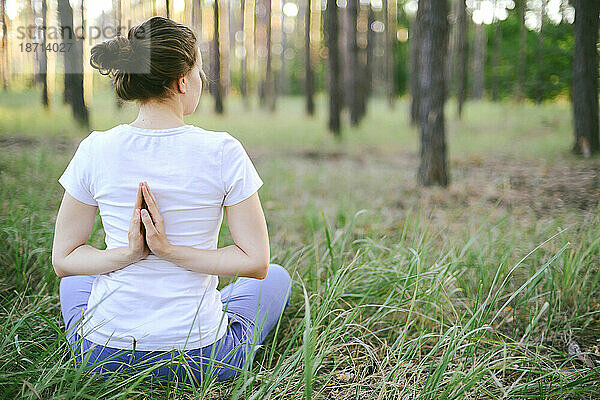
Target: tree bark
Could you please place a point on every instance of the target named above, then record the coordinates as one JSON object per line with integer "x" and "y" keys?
{"x": 388, "y": 54}
{"x": 344, "y": 60}
{"x": 496, "y": 57}
{"x": 451, "y": 64}
{"x": 334, "y": 67}
{"x": 563, "y": 10}
{"x": 539, "y": 96}
{"x": 371, "y": 43}
{"x": 363, "y": 84}
{"x": 229, "y": 56}
{"x": 29, "y": 15}
{"x": 282, "y": 83}
{"x": 73, "y": 60}
{"x": 197, "y": 17}
{"x": 269, "y": 78}
{"x": 353, "y": 66}
{"x": 415, "y": 59}
{"x": 479, "y": 56}
{"x": 118, "y": 7}
{"x": 4, "y": 49}
{"x": 308, "y": 81}
{"x": 216, "y": 61}
{"x": 461, "y": 54}
{"x": 521, "y": 5}
{"x": 244, "y": 61}
{"x": 43, "y": 74}
{"x": 585, "y": 78}
{"x": 434, "y": 47}
{"x": 260, "y": 29}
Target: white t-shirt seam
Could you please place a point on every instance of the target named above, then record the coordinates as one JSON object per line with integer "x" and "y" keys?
{"x": 84, "y": 152}
{"x": 257, "y": 183}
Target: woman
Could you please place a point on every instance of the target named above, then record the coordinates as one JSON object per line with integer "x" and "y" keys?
{"x": 152, "y": 296}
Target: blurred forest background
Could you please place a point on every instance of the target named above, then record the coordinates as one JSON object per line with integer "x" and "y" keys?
{"x": 432, "y": 183}
{"x": 515, "y": 49}
{"x": 523, "y": 50}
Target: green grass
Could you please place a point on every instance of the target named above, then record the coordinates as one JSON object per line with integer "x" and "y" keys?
{"x": 512, "y": 129}
{"x": 474, "y": 291}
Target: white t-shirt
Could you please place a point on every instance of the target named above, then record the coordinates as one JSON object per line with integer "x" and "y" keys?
{"x": 193, "y": 173}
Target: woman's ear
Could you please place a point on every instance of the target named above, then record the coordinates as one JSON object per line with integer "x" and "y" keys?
{"x": 181, "y": 84}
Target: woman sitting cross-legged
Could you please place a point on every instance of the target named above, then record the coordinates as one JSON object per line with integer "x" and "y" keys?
{"x": 151, "y": 298}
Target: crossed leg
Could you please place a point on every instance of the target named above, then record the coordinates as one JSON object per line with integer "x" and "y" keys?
{"x": 257, "y": 304}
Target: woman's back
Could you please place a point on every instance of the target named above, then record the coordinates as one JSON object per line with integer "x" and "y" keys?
{"x": 193, "y": 173}
{"x": 156, "y": 302}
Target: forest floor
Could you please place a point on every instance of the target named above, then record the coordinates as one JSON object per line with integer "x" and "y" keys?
{"x": 489, "y": 288}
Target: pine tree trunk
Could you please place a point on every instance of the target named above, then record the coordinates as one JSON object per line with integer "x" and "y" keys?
{"x": 29, "y": 15}
{"x": 216, "y": 61}
{"x": 362, "y": 68}
{"x": 260, "y": 25}
{"x": 388, "y": 54}
{"x": 197, "y": 18}
{"x": 334, "y": 67}
{"x": 227, "y": 63}
{"x": 4, "y": 49}
{"x": 73, "y": 60}
{"x": 496, "y": 57}
{"x": 434, "y": 47}
{"x": 118, "y": 7}
{"x": 43, "y": 74}
{"x": 461, "y": 54}
{"x": 564, "y": 4}
{"x": 371, "y": 43}
{"x": 585, "y": 78}
{"x": 344, "y": 60}
{"x": 269, "y": 78}
{"x": 479, "y": 57}
{"x": 281, "y": 89}
{"x": 244, "y": 62}
{"x": 451, "y": 64}
{"x": 308, "y": 81}
{"x": 415, "y": 59}
{"x": 540, "y": 57}
{"x": 353, "y": 67}
{"x": 522, "y": 66}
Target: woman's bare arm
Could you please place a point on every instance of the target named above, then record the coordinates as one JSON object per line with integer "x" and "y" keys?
{"x": 249, "y": 256}
{"x": 70, "y": 254}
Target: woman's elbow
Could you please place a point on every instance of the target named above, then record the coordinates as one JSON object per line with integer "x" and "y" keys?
{"x": 261, "y": 273}
{"x": 56, "y": 265}
{"x": 262, "y": 269}
{"x": 58, "y": 272}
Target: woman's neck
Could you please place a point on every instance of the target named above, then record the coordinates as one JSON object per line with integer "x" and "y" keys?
{"x": 159, "y": 115}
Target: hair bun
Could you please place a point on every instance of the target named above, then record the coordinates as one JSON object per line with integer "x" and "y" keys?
{"x": 111, "y": 55}
{"x": 144, "y": 65}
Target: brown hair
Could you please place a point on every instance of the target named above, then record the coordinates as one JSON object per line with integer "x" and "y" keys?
{"x": 144, "y": 65}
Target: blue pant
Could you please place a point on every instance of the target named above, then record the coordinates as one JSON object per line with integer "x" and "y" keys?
{"x": 253, "y": 306}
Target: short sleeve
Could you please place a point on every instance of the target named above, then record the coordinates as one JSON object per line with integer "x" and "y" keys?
{"x": 240, "y": 178}
{"x": 77, "y": 177}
